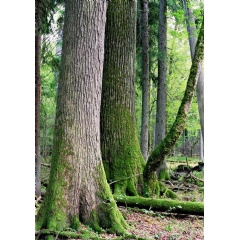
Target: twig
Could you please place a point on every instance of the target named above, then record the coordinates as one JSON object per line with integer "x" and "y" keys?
{"x": 125, "y": 178}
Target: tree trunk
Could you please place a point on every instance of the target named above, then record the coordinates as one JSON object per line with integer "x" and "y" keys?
{"x": 144, "y": 144}
{"x": 120, "y": 147}
{"x": 38, "y": 25}
{"x": 201, "y": 147}
{"x": 77, "y": 188}
{"x": 163, "y": 149}
{"x": 191, "y": 28}
{"x": 162, "y": 87}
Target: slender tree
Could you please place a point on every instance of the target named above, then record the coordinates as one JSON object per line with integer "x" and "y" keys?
{"x": 191, "y": 28}
{"x": 144, "y": 144}
{"x": 77, "y": 188}
{"x": 38, "y": 27}
{"x": 120, "y": 147}
{"x": 163, "y": 149}
{"x": 162, "y": 86}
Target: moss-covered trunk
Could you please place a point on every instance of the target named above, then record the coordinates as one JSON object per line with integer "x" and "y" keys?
{"x": 120, "y": 147}
{"x": 78, "y": 189}
{"x": 163, "y": 149}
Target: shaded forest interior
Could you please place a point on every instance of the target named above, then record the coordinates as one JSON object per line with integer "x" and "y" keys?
{"x": 118, "y": 116}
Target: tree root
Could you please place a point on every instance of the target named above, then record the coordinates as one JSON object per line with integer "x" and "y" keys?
{"x": 84, "y": 235}
{"x": 193, "y": 208}
{"x": 66, "y": 234}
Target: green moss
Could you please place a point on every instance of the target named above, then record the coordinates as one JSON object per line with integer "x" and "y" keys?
{"x": 122, "y": 156}
{"x": 164, "y": 175}
{"x": 75, "y": 222}
{"x": 52, "y": 214}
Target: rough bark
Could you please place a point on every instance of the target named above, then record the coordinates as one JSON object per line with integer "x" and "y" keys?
{"x": 38, "y": 25}
{"x": 120, "y": 147}
{"x": 162, "y": 87}
{"x": 163, "y": 149}
{"x": 191, "y": 28}
{"x": 77, "y": 188}
{"x": 174, "y": 206}
{"x": 144, "y": 144}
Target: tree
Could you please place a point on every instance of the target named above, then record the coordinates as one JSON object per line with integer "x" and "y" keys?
{"x": 163, "y": 149}
{"x": 38, "y": 28}
{"x": 144, "y": 143}
{"x": 120, "y": 147}
{"x": 162, "y": 81}
{"x": 77, "y": 188}
{"x": 191, "y": 28}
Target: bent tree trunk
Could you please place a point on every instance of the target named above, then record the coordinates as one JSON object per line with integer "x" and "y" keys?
{"x": 120, "y": 147}
{"x": 163, "y": 149}
{"x": 162, "y": 87}
{"x": 144, "y": 143}
{"x": 77, "y": 188}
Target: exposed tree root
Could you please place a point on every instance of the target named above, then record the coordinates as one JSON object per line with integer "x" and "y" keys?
{"x": 83, "y": 235}
{"x": 193, "y": 208}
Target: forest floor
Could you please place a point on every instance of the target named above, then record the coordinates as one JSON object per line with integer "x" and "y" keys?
{"x": 148, "y": 224}
{"x": 155, "y": 225}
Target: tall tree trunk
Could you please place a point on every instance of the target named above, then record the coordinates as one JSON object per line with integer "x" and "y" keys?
{"x": 38, "y": 25}
{"x": 144, "y": 144}
{"x": 162, "y": 87}
{"x": 120, "y": 147}
{"x": 78, "y": 188}
{"x": 201, "y": 147}
{"x": 163, "y": 149}
{"x": 191, "y": 28}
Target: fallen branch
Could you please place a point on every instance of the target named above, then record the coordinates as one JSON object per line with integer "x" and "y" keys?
{"x": 125, "y": 178}
{"x": 46, "y": 165}
{"x": 193, "y": 208}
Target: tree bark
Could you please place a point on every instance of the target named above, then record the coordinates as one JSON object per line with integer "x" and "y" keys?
{"x": 191, "y": 28}
{"x": 38, "y": 26}
{"x": 77, "y": 188}
{"x": 144, "y": 144}
{"x": 120, "y": 147}
{"x": 163, "y": 149}
{"x": 162, "y": 85}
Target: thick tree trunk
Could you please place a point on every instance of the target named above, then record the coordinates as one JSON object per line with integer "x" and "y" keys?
{"x": 163, "y": 149}
{"x": 191, "y": 28}
{"x": 77, "y": 188}
{"x": 162, "y": 87}
{"x": 144, "y": 144}
{"x": 120, "y": 147}
{"x": 38, "y": 25}
{"x": 193, "y": 208}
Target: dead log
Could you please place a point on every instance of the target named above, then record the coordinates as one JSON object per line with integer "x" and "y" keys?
{"x": 164, "y": 205}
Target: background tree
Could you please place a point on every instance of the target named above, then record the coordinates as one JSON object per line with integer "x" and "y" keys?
{"x": 120, "y": 147}
{"x": 160, "y": 128}
{"x": 38, "y": 30}
{"x": 144, "y": 143}
{"x": 77, "y": 188}
{"x": 191, "y": 28}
